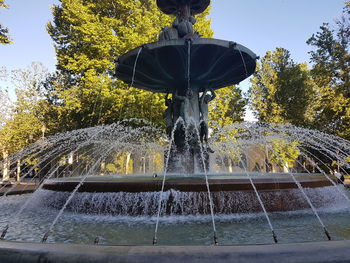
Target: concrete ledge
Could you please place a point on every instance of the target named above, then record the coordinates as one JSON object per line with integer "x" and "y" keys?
{"x": 19, "y": 252}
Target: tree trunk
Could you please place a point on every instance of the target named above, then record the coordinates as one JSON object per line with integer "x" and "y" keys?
{"x": 103, "y": 167}
{"x": 230, "y": 168}
{"x": 144, "y": 165}
{"x": 5, "y": 166}
{"x": 18, "y": 174}
{"x": 71, "y": 158}
{"x": 127, "y": 163}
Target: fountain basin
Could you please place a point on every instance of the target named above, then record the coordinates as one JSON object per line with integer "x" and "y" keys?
{"x": 186, "y": 195}
{"x": 163, "y": 66}
{"x": 237, "y": 182}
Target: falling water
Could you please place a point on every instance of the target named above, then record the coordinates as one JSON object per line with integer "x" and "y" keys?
{"x": 134, "y": 69}
{"x": 324, "y": 173}
{"x": 208, "y": 188}
{"x": 245, "y": 143}
{"x": 260, "y": 201}
{"x": 306, "y": 197}
{"x": 244, "y": 64}
{"x": 163, "y": 181}
{"x": 26, "y": 203}
{"x": 79, "y": 185}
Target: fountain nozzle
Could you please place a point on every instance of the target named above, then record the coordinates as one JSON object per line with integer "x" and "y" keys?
{"x": 216, "y": 243}
{"x": 274, "y": 237}
{"x": 154, "y": 241}
{"x": 327, "y": 234}
{"x": 44, "y": 239}
{"x": 4, "y": 232}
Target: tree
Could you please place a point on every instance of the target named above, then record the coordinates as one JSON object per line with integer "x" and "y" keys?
{"x": 331, "y": 73}
{"x": 24, "y": 123}
{"x": 228, "y": 107}
{"x": 4, "y": 37}
{"x": 5, "y": 101}
{"x": 281, "y": 90}
{"x": 89, "y": 35}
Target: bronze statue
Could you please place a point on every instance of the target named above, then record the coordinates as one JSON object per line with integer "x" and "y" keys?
{"x": 204, "y": 110}
{"x": 168, "y": 33}
{"x": 168, "y": 115}
{"x": 185, "y": 105}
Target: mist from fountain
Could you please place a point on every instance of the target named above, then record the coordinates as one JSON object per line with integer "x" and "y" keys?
{"x": 103, "y": 142}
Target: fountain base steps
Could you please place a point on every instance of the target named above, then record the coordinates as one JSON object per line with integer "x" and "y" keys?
{"x": 321, "y": 252}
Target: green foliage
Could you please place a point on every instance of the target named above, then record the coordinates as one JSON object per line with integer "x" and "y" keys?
{"x": 24, "y": 124}
{"x": 281, "y": 90}
{"x": 4, "y": 37}
{"x": 89, "y": 35}
{"x": 5, "y": 107}
{"x": 110, "y": 167}
{"x": 228, "y": 106}
{"x": 284, "y": 153}
{"x": 331, "y": 72}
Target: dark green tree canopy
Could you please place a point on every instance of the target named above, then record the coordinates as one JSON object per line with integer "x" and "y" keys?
{"x": 281, "y": 89}
{"x": 89, "y": 36}
{"x": 4, "y": 36}
{"x": 331, "y": 73}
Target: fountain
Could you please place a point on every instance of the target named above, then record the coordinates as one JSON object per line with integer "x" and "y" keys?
{"x": 185, "y": 65}
{"x": 121, "y": 186}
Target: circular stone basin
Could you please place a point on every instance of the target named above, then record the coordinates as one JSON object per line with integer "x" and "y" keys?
{"x": 164, "y": 66}
{"x": 230, "y": 193}
{"x": 171, "y": 7}
{"x": 237, "y": 182}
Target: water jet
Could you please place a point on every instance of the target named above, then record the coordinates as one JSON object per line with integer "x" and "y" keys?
{"x": 247, "y": 188}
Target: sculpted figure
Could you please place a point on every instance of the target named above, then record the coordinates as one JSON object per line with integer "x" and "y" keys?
{"x": 182, "y": 26}
{"x": 184, "y": 105}
{"x": 168, "y": 33}
{"x": 203, "y": 107}
{"x": 168, "y": 115}
{"x": 185, "y": 27}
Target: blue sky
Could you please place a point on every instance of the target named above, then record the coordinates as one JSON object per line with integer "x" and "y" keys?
{"x": 259, "y": 25}
{"x": 265, "y": 25}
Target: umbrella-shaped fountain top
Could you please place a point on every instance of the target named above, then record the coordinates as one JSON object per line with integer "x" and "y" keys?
{"x": 181, "y": 60}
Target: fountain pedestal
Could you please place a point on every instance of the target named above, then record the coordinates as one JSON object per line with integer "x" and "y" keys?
{"x": 187, "y": 67}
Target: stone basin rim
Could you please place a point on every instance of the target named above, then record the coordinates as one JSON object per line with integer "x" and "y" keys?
{"x": 185, "y": 184}
{"x": 326, "y": 251}
{"x": 182, "y": 42}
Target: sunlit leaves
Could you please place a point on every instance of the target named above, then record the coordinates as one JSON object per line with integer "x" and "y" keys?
{"x": 331, "y": 73}
{"x": 89, "y": 36}
{"x": 282, "y": 90}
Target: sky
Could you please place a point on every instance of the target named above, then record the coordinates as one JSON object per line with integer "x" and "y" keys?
{"x": 256, "y": 24}
{"x": 265, "y": 25}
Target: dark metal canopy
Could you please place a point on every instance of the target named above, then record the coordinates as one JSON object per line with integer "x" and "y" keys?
{"x": 170, "y": 7}
{"x": 163, "y": 66}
